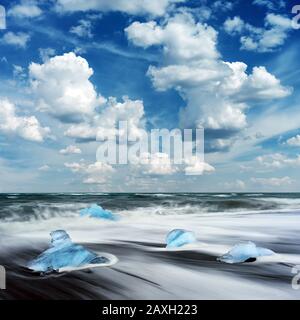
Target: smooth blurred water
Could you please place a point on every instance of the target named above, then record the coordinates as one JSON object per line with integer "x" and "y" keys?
{"x": 145, "y": 268}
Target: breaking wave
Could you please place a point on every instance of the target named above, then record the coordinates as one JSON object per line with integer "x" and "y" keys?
{"x": 31, "y": 207}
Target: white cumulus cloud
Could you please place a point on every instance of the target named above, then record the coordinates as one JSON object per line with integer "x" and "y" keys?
{"x": 25, "y": 127}
{"x": 94, "y": 173}
{"x": 70, "y": 150}
{"x": 180, "y": 37}
{"x": 268, "y": 38}
{"x": 218, "y": 93}
{"x": 63, "y": 88}
{"x": 107, "y": 119}
{"x": 157, "y": 164}
{"x": 195, "y": 166}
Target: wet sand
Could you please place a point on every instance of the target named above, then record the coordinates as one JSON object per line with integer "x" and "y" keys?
{"x": 145, "y": 272}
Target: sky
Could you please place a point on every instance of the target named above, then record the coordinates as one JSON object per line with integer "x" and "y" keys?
{"x": 69, "y": 68}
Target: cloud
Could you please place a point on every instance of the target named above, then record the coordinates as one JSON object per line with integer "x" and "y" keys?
{"x": 19, "y": 39}
{"x": 83, "y": 29}
{"x": 234, "y": 25}
{"x": 145, "y": 34}
{"x": 26, "y": 9}
{"x": 44, "y": 168}
{"x": 277, "y": 161}
{"x": 46, "y": 53}
{"x": 273, "y": 35}
{"x": 134, "y": 7}
{"x": 131, "y": 111}
{"x": 107, "y": 120}
{"x": 270, "y": 4}
{"x": 259, "y": 85}
{"x": 160, "y": 163}
{"x": 195, "y": 166}
{"x": 157, "y": 164}
{"x": 63, "y": 88}
{"x": 230, "y": 79}
{"x": 181, "y": 38}
{"x": 70, "y": 150}
{"x": 95, "y": 173}
{"x": 219, "y": 145}
{"x": 272, "y": 182}
{"x": 201, "y": 12}
{"x": 294, "y": 141}
{"x": 218, "y": 94}
{"x": 82, "y": 132}
{"x": 75, "y": 166}
{"x": 272, "y": 160}
{"x": 95, "y": 180}
{"x": 236, "y": 185}
{"x": 19, "y": 72}
{"x": 25, "y": 127}
{"x": 213, "y": 113}
{"x": 94, "y": 168}
{"x": 187, "y": 75}
{"x": 223, "y": 5}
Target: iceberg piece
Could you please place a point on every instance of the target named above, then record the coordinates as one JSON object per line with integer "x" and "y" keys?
{"x": 179, "y": 237}
{"x": 63, "y": 253}
{"x": 96, "y": 211}
{"x": 245, "y": 252}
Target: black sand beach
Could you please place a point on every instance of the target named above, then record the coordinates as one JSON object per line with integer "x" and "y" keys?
{"x": 146, "y": 270}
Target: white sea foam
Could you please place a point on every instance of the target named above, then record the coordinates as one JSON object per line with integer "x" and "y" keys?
{"x": 143, "y": 229}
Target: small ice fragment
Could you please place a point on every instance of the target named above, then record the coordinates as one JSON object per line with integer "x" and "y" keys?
{"x": 245, "y": 252}
{"x": 96, "y": 211}
{"x": 63, "y": 253}
{"x": 179, "y": 237}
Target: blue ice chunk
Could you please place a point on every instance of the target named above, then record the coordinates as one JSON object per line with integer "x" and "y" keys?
{"x": 243, "y": 252}
{"x": 96, "y": 211}
{"x": 63, "y": 253}
{"x": 179, "y": 237}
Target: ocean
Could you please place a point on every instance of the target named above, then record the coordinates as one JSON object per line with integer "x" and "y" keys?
{"x": 146, "y": 269}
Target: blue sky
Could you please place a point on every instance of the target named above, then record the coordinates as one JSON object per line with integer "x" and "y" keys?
{"x": 231, "y": 67}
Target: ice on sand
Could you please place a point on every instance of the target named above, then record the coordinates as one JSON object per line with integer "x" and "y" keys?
{"x": 64, "y": 253}
{"x": 96, "y": 211}
{"x": 179, "y": 237}
{"x": 245, "y": 252}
